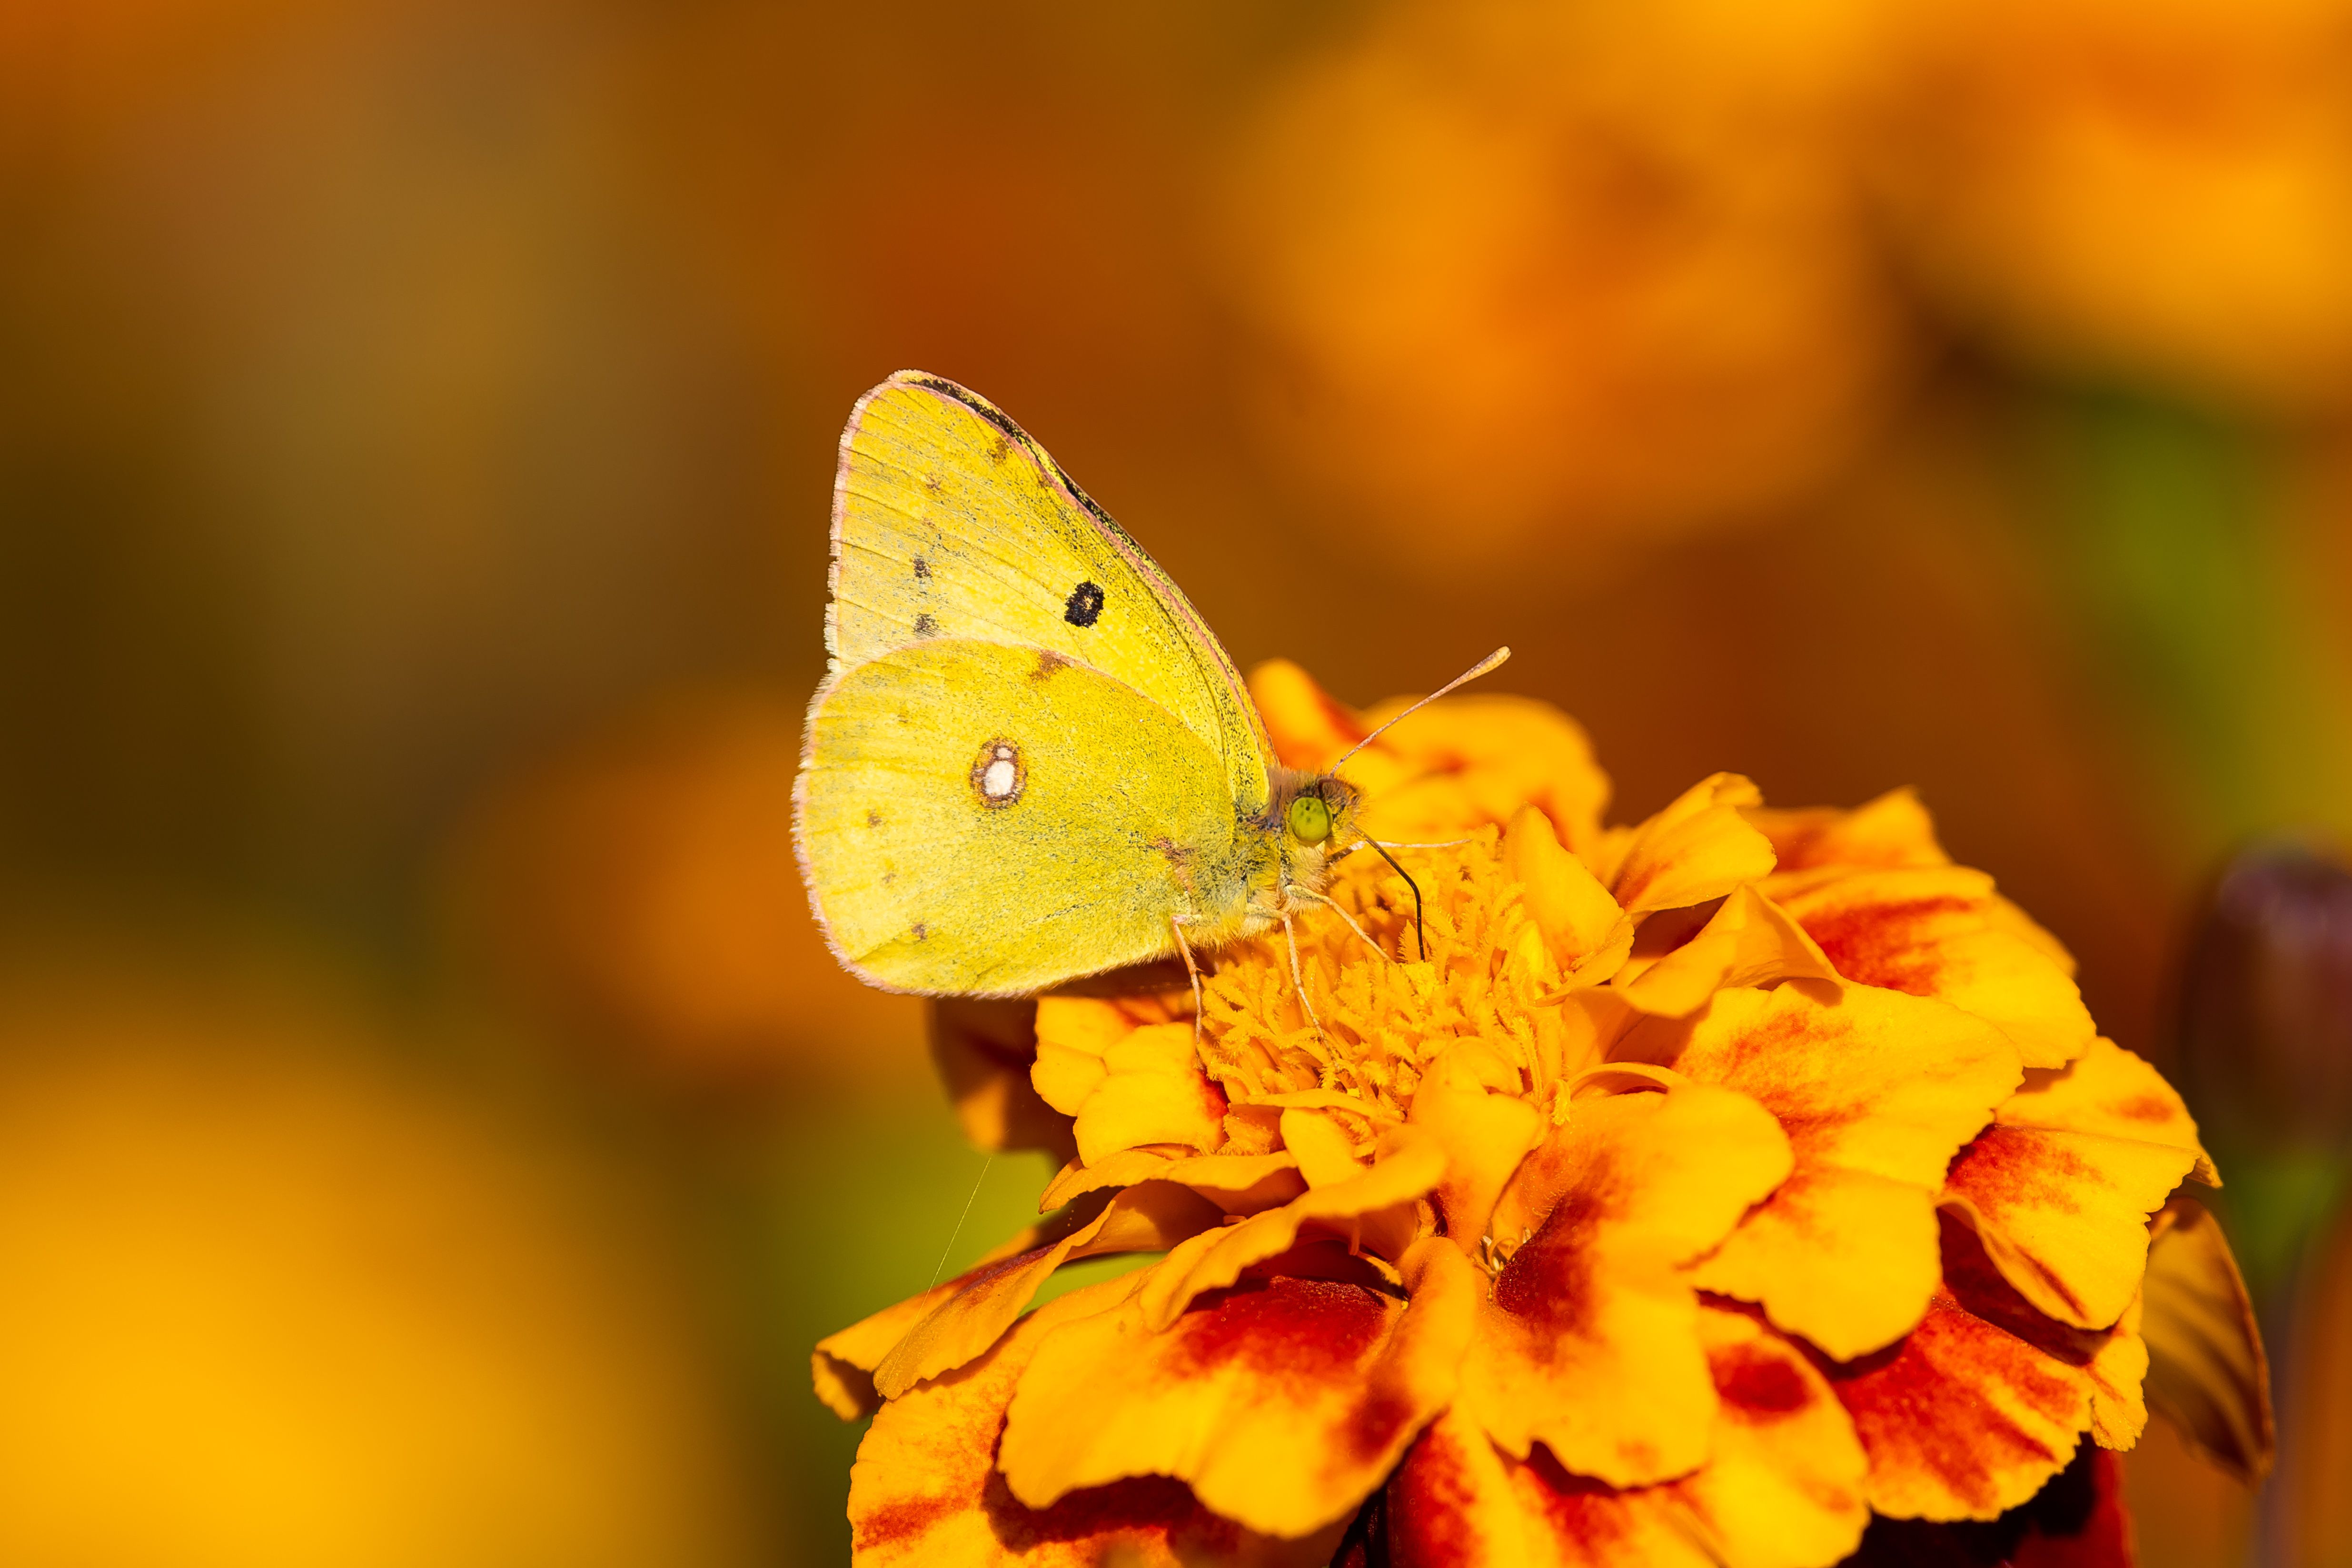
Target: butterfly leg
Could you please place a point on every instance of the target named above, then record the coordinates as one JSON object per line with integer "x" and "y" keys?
{"x": 1184, "y": 949}
{"x": 1376, "y": 949}
{"x": 1296, "y": 978}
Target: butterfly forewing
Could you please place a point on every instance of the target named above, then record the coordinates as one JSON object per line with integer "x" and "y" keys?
{"x": 948, "y": 522}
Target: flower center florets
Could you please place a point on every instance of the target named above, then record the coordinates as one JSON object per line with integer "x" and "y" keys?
{"x": 1352, "y": 1029}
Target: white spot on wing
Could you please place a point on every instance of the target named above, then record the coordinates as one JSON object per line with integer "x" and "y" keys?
{"x": 998, "y": 774}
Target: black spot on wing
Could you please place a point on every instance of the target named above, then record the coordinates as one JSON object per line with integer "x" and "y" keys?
{"x": 925, "y": 625}
{"x": 1085, "y": 605}
{"x": 922, "y": 569}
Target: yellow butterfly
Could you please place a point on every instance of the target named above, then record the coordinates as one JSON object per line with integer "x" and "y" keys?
{"x": 1030, "y": 760}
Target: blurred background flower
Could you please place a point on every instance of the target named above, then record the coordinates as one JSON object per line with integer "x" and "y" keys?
{"x": 2150, "y": 191}
{"x": 1527, "y": 270}
{"x": 414, "y": 453}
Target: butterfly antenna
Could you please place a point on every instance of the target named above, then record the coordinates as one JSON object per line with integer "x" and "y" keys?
{"x": 958, "y": 1231}
{"x": 1419, "y": 931}
{"x": 1488, "y": 663}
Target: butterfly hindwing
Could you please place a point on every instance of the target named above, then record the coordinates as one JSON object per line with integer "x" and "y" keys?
{"x": 950, "y": 522}
{"x": 984, "y": 819}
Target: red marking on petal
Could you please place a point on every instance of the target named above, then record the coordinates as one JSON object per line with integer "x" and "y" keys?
{"x": 1757, "y": 1382}
{"x": 1149, "y": 1506}
{"x": 1981, "y": 1290}
{"x": 1432, "y": 1500}
{"x": 1384, "y": 1415}
{"x": 1882, "y": 944}
{"x": 2005, "y": 1167}
{"x": 1550, "y": 1279}
{"x": 2145, "y": 1108}
{"x": 1983, "y": 1391}
{"x": 1776, "y": 1040}
{"x": 1918, "y": 1406}
{"x": 898, "y": 1522}
{"x": 2080, "y": 1520}
{"x": 1581, "y": 1509}
{"x": 1300, "y": 1331}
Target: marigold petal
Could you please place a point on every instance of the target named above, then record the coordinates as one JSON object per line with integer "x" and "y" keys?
{"x": 1847, "y": 1259}
{"x": 985, "y": 1049}
{"x": 1941, "y": 932}
{"x": 2119, "y": 1375}
{"x": 1983, "y": 1402}
{"x": 1582, "y": 927}
{"x": 1282, "y": 1401}
{"x": 1457, "y": 764}
{"x": 1307, "y": 725}
{"x": 1152, "y": 1217}
{"x": 2207, "y": 1372}
{"x": 1134, "y": 1108}
{"x": 2008, "y": 917}
{"x": 926, "y": 1490}
{"x": 1087, "y": 1025}
{"x": 2061, "y": 1186}
{"x": 1590, "y": 1342}
{"x": 1783, "y": 1487}
{"x": 1459, "y": 1501}
{"x": 841, "y": 1366}
{"x": 1748, "y": 941}
{"x": 2077, "y": 1520}
{"x": 1697, "y": 849}
{"x": 1876, "y": 1091}
{"x": 843, "y": 1362}
{"x": 2103, "y": 1538}
{"x": 1237, "y": 1184}
{"x": 1782, "y": 1490}
{"x": 1064, "y": 1076}
{"x": 1372, "y": 1210}
{"x": 1126, "y": 1084}
{"x": 1483, "y": 1136}
{"x": 1893, "y": 830}
{"x": 1326, "y": 1154}
{"x": 1072, "y": 1033}
{"x": 1963, "y": 1421}
{"x": 1473, "y": 760}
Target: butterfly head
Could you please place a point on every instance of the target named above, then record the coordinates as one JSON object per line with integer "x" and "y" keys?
{"x": 1322, "y": 810}
{"x": 1317, "y": 822}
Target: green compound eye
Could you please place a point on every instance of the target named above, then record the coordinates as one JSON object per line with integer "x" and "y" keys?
{"x": 1310, "y": 819}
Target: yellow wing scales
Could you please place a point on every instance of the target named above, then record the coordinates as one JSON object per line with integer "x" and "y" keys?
{"x": 948, "y": 521}
{"x": 974, "y": 815}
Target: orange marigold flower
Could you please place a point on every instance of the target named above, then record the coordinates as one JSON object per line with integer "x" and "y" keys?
{"x": 2144, "y": 190}
{"x": 1706, "y": 1189}
{"x": 1519, "y": 270}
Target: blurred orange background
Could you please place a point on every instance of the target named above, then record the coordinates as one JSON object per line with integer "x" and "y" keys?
{"x": 431, "y": 1131}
